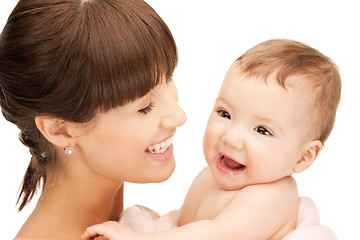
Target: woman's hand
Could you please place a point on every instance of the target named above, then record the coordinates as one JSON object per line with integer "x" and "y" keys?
{"x": 111, "y": 231}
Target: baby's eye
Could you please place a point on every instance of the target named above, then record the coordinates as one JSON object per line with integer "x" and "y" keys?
{"x": 263, "y": 131}
{"x": 147, "y": 109}
{"x": 224, "y": 114}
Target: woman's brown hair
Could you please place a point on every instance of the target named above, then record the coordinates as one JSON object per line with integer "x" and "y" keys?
{"x": 72, "y": 58}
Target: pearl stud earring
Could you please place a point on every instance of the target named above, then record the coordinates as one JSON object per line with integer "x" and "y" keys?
{"x": 68, "y": 150}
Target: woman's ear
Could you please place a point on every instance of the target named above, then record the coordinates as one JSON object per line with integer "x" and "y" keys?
{"x": 54, "y": 130}
{"x": 309, "y": 155}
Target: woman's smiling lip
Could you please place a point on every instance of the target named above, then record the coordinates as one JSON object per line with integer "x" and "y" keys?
{"x": 225, "y": 168}
{"x": 160, "y": 147}
{"x": 163, "y": 156}
{"x": 161, "y": 151}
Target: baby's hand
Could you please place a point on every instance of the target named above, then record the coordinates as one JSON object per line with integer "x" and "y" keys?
{"x": 111, "y": 231}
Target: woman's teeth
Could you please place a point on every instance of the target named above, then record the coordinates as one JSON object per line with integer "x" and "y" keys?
{"x": 160, "y": 147}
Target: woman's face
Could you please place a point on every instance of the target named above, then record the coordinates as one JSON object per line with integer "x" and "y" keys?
{"x": 133, "y": 143}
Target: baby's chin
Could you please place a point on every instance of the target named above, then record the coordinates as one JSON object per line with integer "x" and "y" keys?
{"x": 229, "y": 184}
{"x": 231, "y": 187}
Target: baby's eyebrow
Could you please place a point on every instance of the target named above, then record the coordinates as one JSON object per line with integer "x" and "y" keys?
{"x": 221, "y": 99}
{"x": 271, "y": 121}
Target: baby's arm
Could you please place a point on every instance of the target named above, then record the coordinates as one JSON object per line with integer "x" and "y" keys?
{"x": 256, "y": 212}
{"x": 113, "y": 231}
{"x": 264, "y": 211}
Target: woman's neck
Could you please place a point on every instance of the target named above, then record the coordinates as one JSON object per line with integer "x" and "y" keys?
{"x": 68, "y": 205}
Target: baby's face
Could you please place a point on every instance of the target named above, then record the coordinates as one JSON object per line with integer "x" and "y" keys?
{"x": 256, "y": 132}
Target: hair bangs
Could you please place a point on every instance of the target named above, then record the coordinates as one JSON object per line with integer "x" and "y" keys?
{"x": 126, "y": 60}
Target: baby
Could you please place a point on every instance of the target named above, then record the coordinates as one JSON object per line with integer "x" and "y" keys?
{"x": 274, "y": 112}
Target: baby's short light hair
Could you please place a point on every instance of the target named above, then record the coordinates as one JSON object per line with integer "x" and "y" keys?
{"x": 287, "y": 58}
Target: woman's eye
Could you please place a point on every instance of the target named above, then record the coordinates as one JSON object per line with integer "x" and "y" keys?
{"x": 147, "y": 109}
{"x": 263, "y": 131}
{"x": 224, "y": 114}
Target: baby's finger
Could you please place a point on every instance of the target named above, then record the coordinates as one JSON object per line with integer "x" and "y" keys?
{"x": 106, "y": 229}
{"x": 88, "y": 235}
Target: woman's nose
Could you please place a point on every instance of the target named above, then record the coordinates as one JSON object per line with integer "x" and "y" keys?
{"x": 175, "y": 117}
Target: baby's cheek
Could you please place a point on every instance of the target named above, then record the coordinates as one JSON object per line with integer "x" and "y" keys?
{"x": 208, "y": 136}
{"x": 209, "y": 146}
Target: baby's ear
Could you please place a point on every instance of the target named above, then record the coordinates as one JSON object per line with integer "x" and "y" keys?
{"x": 309, "y": 155}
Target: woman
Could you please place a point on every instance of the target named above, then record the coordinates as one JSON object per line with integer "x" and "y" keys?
{"x": 88, "y": 83}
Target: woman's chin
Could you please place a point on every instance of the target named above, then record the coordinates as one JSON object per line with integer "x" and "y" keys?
{"x": 155, "y": 175}
{"x": 163, "y": 175}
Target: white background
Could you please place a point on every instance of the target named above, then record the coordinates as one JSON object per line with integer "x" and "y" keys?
{"x": 210, "y": 35}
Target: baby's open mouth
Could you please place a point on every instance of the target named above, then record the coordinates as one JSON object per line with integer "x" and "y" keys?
{"x": 231, "y": 164}
{"x": 160, "y": 147}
